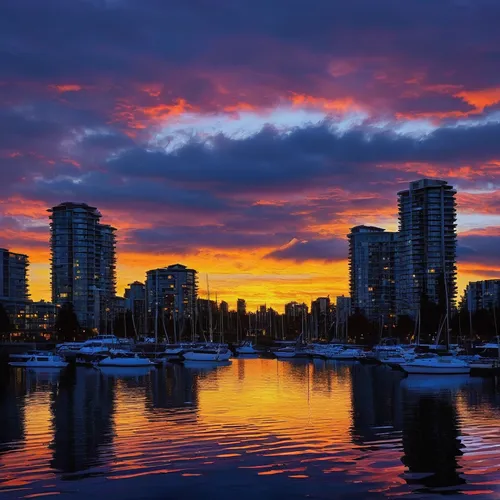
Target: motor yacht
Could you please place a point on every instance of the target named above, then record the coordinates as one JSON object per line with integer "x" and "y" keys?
{"x": 125, "y": 359}
{"x": 208, "y": 352}
{"x": 285, "y": 352}
{"x": 246, "y": 348}
{"x": 343, "y": 353}
{"x": 42, "y": 360}
{"x": 22, "y": 358}
{"x": 436, "y": 365}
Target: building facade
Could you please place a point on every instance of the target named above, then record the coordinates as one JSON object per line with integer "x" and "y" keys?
{"x": 296, "y": 310}
{"x": 13, "y": 276}
{"x": 14, "y": 292}
{"x": 484, "y": 294}
{"x": 372, "y": 253}
{"x": 173, "y": 290}
{"x": 321, "y": 317}
{"x": 83, "y": 261}
{"x": 40, "y": 318}
{"x": 241, "y": 307}
{"x": 135, "y": 301}
{"x": 426, "y": 252}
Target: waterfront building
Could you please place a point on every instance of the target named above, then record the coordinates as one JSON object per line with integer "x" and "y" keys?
{"x": 426, "y": 251}
{"x": 484, "y": 294}
{"x": 372, "y": 253}
{"x": 172, "y": 289}
{"x": 135, "y": 302}
{"x": 40, "y": 317}
{"x": 13, "y": 276}
{"x": 241, "y": 307}
{"x": 320, "y": 312}
{"x": 343, "y": 307}
{"x": 14, "y": 292}
{"x": 83, "y": 261}
{"x": 296, "y": 310}
{"x": 224, "y": 307}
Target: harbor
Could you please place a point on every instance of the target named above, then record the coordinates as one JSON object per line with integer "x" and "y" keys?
{"x": 295, "y": 428}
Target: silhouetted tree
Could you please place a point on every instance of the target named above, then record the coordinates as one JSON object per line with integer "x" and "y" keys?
{"x": 429, "y": 317}
{"x": 123, "y": 325}
{"x": 5, "y": 326}
{"x": 483, "y": 325}
{"x": 360, "y": 328}
{"x": 67, "y": 326}
{"x": 405, "y": 328}
{"x": 441, "y": 286}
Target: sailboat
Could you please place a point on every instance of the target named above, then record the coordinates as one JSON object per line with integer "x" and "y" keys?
{"x": 246, "y": 348}
{"x": 210, "y": 351}
{"x": 439, "y": 365}
{"x": 292, "y": 352}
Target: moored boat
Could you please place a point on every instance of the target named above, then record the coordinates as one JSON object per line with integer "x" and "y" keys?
{"x": 22, "y": 358}
{"x": 216, "y": 352}
{"x": 343, "y": 353}
{"x": 436, "y": 365}
{"x": 126, "y": 360}
{"x": 285, "y": 352}
{"x": 45, "y": 360}
{"x": 246, "y": 348}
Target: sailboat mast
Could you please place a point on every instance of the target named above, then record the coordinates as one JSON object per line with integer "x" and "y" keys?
{"x": 156, "y": 309}
{"x": 209, "y": 313}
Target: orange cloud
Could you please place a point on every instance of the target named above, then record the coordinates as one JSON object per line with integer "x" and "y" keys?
{"x": 303, "y": 100}
{"x": 480, "y": 99}
{"x": 67, "y": 88}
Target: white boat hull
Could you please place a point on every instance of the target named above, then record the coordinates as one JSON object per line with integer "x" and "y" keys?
{"x": 207, "y": 356}
{"x": 422, "y": 369}
{"x": 125, "y": 362}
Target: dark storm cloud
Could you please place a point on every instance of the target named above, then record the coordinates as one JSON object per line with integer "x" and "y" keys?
{"x": 328, "y": 250}
{"x": 433, "y": 103}
{"x": 179, "y": 239}
{"x": 110, "y": 191}
{"x": 477, "y": 248}
{"x": 278, "y": 42}
{"x": 304, "y": 157}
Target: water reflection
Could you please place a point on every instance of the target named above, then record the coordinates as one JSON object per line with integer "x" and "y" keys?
{"x": 431, "y": 439}
{"x": 376, "y": 405}
{"x": 82, "y": 409}
{"x": 279, "y": 428}
{"x": 11, "y": 413}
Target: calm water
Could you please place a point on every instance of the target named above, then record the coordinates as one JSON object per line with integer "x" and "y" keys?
{"x": 257, "y": 428}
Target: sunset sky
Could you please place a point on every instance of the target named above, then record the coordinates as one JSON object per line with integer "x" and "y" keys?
{"x": 244, "y": 138}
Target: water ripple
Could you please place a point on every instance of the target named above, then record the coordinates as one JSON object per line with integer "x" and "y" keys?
{"x": 285, "y": 427}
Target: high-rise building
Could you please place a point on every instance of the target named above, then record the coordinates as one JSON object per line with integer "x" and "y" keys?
{"x": 224, "y": 307}
{"x": 135, "y": 299}
{"x": 241, "y": 307}
{"x": 13, "y": 276}
{"x": 426, "y": 252}
{"x": 295, "y": 310}
{"x": 371, "y": 272}
{"x": 343, "y": 309}
{"x": 83, "y": 261}
{"x": 40, "y": 317}
{"x": 14, "y": 292}
{"x": 484, "y": 294}
{"x": 173, "y": 289}
{"x": 320, "y": 312}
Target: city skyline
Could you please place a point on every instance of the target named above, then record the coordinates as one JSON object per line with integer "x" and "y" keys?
{"x": 332, "y": 288}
